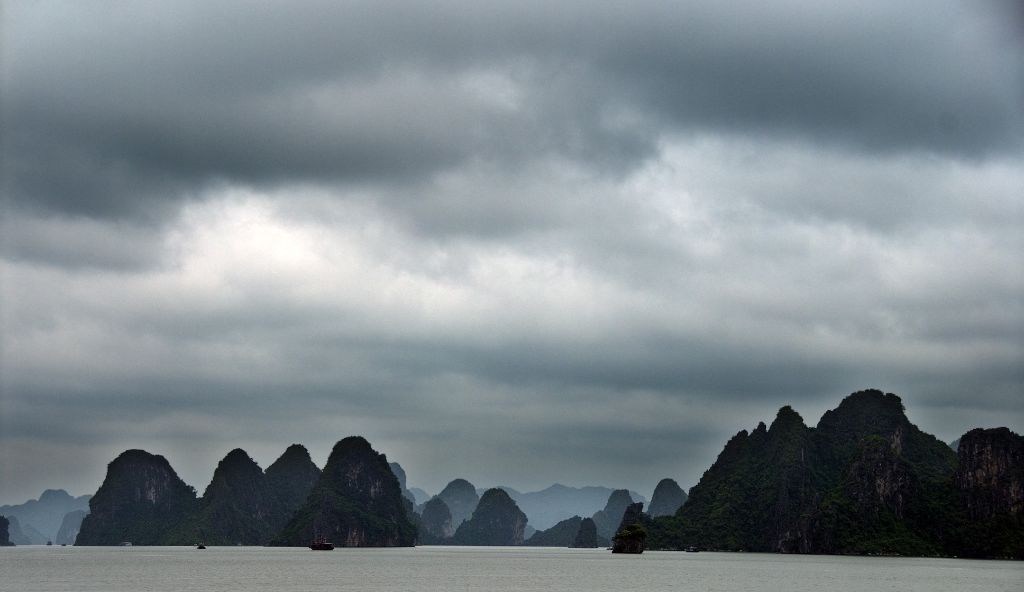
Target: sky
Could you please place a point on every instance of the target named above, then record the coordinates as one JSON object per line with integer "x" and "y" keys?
{"x": 515, "y": 242}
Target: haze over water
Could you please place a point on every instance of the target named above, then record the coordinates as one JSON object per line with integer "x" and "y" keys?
{"x": 494, "y": 569}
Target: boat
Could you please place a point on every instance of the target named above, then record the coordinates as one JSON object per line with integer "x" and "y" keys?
{"x": 692, "y": 549}
{"x": 320, "y": 543}
{"x": 200, "y": 546}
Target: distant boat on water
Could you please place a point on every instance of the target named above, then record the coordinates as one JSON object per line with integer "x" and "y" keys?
{"x": 320, "y": 544}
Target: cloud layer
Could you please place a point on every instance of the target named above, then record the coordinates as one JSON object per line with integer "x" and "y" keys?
{"x": 601, "y": 239}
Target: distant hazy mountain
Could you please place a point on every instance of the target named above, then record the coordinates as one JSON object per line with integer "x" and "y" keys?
{"x": 44, "y": 516}
{"x": 497, "y": 521}
{"x": 419, "y": 496}
{"x": 435, "y": 522}
{"x": 955, "y": 444}
{"x": 547, "y": 507}
{"x": 69, "y": 527}
{"x": 18, "y": 537}
{"x": 562, "y": 534}
{"x": 667, "y": 498}
{"x": 461, "y": 498}
{"x": 357, "y": 502}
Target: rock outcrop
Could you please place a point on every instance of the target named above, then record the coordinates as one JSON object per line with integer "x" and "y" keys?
{"x": 562, "y": 534}
{"x": 357, "y": 502}
{"x": 497, "y": 521}
{"x": 5, "y": 535}
{"x": 668, "y": 497}
{"x": 70, "y": 527}
{"x": 435, "y": 522}
{"x": 608, "y": 519}
{"x": 631, "y": 535}
{"x": 461, "y": 498}
{"x": 140, "y": 501}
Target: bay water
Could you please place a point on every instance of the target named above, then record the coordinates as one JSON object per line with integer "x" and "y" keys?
{"x": 471, "y": 569}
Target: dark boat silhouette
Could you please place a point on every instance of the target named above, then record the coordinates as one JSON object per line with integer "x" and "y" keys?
{"x": 320, "y": 543}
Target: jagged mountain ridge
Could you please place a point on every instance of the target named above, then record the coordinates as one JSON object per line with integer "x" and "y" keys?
{"x": 357, "y": 502}
{"x": 864, "y": 480}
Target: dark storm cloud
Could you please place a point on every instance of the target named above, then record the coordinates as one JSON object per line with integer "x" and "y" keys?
{"x": 130, "y": 105}
{"x": 600, "y": 238}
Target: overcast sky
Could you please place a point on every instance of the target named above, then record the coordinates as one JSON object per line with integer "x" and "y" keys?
{"x": 518, "y": 242}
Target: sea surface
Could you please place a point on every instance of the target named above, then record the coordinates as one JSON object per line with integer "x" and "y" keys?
{"x": 492, "y": 569}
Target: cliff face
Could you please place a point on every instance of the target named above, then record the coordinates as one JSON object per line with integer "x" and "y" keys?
{"x": 668, "y": 497}
{"x": 141, "y": 499}
{"x": 461, "y": 498}
{"x": 990, "y": 485}
{"x": 497, "y": 521}
{"x": 562, "y": 534}
{"x": 991, "y": 473}
{"x": 864, "y": 480}
{"x": 357, "y": 502}
{"x": 435, "y": 522}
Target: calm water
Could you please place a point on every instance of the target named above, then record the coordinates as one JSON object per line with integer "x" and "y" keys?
{"x": 454, "y": 569}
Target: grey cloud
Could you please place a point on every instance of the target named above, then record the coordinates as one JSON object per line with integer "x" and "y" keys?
{"x": 602, "y": 238}
{"x": 126, "y": 109}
